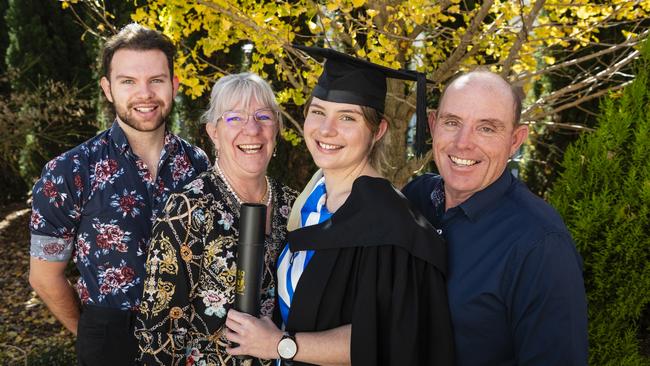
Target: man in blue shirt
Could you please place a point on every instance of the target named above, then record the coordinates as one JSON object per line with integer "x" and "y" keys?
{"x": 96, "y": 203}
{"x": 515, "y": 286}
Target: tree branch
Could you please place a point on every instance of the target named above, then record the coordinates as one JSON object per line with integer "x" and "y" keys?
{"x": 585, "y": 98}
{"x": 566, "y": 64}
{"x": 588, "y": 81}
{"x": 521, "y": 36}
{"x": 465, "y": 41}
{"x": 564, "y": 126}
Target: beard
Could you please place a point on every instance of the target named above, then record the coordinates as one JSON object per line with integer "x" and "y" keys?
{"x": 126, "y": 115}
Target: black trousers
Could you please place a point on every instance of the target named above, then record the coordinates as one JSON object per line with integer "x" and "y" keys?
{"x": 105, "y": 337}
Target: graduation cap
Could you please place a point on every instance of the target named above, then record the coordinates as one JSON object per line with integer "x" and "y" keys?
{"x": 347, "y": 79}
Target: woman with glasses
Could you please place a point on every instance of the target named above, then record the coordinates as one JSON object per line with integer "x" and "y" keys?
{"x": 191, "y": 261}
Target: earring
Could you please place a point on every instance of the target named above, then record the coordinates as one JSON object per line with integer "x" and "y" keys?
{"x": 275, "y": 151}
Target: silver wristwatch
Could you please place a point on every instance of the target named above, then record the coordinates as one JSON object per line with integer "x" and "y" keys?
{"x": 287, "y": 347}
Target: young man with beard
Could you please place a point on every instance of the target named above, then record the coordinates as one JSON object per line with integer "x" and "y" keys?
{"x": 515, "y": 286}
{"x": 96, "y": 203}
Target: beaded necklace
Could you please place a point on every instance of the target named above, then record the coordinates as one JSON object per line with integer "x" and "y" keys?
{"x": 268, "y": 192}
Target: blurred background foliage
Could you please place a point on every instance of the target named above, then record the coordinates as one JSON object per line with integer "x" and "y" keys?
{"x": 603, "y": 192}
{"x": 567, "y": 55}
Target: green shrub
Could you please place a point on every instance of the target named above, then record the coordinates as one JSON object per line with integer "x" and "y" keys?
{"x": 604, "y": 196}
{"x": 36, "y": 126}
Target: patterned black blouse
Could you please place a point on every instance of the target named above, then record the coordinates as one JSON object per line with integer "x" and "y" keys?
{"x": 191, "y": 268}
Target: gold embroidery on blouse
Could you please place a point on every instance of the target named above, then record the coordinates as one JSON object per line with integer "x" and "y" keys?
{"x": 164, "y": 293}
{"x": 186, "y": 253}
{"x": 175, "y": 312}
{"x": 181, "y": 306}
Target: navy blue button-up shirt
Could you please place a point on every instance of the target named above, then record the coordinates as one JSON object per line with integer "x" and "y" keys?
{"x": 515, "y": 286}
{"x": 96, "y": 203}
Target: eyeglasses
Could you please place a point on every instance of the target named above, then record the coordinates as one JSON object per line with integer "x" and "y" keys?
{"x": 264, "y": 116}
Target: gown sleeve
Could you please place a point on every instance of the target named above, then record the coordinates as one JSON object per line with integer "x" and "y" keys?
{"x": 163, "y": 326}
{"x": 400, "y": 314}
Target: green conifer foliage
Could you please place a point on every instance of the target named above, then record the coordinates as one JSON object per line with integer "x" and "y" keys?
{"x": 604, "y": 196}
{"x": 45, "y": 44}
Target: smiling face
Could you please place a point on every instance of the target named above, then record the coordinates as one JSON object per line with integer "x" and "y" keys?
{"x": 338, "y": 137}
{"x": 244, "y": 150}
{"x": 140, "y": 88}
{"x": 474, "y": 134}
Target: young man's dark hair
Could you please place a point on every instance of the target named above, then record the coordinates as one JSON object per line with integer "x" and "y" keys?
{"x": 136, "y": 37}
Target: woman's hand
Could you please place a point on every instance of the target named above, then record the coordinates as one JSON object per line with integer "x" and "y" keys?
{"x": 255, "y": 337}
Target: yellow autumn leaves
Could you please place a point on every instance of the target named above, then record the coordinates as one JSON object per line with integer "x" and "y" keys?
{"x": 418, "y": 34}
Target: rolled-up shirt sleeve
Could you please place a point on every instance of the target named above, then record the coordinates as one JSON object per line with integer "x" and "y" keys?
{"x": 56, "y": 210}
{"x": 50, "y": 249}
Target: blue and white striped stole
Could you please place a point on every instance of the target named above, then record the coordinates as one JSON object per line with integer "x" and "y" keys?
{"x": 291, "y": 265}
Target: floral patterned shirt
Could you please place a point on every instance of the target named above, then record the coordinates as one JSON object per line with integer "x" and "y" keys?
{"x": 96, "y": 204}
{"x": 191, "y": 268}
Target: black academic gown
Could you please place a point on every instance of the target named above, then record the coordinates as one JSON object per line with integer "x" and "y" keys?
{"x": 381, "y": 267}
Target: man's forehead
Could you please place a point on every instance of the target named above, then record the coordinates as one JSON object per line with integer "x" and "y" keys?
{"x": 482, "y": 80}
{"x": 478, "y": 93}
{"x": 149, "y": 61}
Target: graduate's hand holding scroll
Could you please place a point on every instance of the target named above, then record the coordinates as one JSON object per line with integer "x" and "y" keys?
{"x": 257, "y": 337}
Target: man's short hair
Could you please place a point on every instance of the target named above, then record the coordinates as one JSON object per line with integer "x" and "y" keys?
{"x": 517, "y": 92}
{"x": 136, "y": 37}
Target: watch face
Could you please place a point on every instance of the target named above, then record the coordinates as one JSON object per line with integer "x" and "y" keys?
{"x": 287, "y": 348}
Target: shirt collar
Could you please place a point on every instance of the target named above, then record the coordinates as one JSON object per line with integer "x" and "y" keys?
{"x": 122, "y": 143}
{"x": 479, "y": 201}
{"x": 172, "y": 142}
{"x": 119, "y": 138}
{"x": 438, "y": 198}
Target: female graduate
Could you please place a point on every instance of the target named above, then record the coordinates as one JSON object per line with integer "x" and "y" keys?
{"x": 362, "y": 278}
